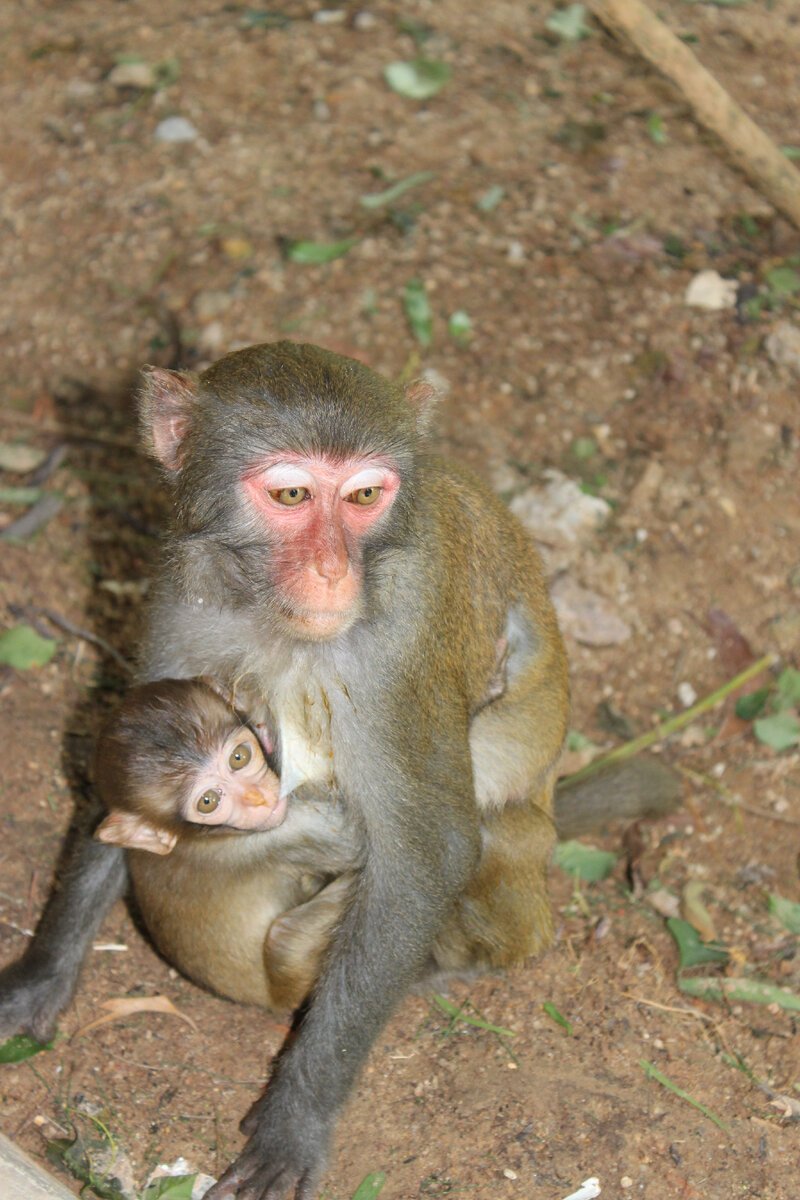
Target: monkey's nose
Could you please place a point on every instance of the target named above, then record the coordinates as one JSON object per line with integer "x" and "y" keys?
{"x": 255, "y": 798}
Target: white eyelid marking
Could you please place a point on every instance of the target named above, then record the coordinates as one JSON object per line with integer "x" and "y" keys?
{"x": 369, "y": 477}
{"x": 286, "y": 475}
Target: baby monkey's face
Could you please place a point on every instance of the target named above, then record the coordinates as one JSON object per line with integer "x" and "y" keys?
{"x": 236, "y": 787}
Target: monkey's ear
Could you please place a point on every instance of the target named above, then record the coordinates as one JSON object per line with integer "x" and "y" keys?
{"x": 134, "y": 833}
{"x": 165, "y": 409}
{"x": 423, "y": 395}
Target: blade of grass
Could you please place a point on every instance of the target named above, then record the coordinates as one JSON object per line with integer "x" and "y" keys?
{"x": 456, "y": 1013}
{"x": 665, "y": 728}
{"x": 653, "y": 1073}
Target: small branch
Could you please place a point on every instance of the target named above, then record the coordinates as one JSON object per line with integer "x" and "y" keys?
{"x": 665, "y": 728}
{"x": 750, "y": 148}
{"x": 726, "y": 796}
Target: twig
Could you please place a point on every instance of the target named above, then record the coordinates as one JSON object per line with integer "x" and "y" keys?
{"x": 665, "y": 728}
{"x": 670, "y": 1008}
{"x": 37, "y": 515}
{"x": 69, "y": 627}
{"x": 726, "y": 796}
{"x": 750, "y": 148}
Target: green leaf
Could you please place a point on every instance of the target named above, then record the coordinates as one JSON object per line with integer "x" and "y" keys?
{"x": 655, "y": 128}
{"x": 490, "y": 199}
{"x": 170, "y": 1187}
{"x": 579, "y": 741}
{"x": 21, "y": 648}
{"x": 587, "y": 862}
{"x": 557, "y": 1016}
{"x": 751, "y": 991}
{"x": 779, "y": 731}
{"x": 787, "y": 912}
{"x": 379, "y": 199}
{"x": 750, "y": 706}
{"x": 263, "y": 18}
{"x": 691, "y": 950}
{"x": 460, "y": 327}
{"x": 314, "y": 253}
{"x": 19, "y": 457}
{"x": 569, "y": 23}
{"x": 419, "y": 79}
{"x": 418, "y": 311}
{"x": 20, "y": 1047}
{"x": 370, "y": 1186}
{"x": 787, "y": 688}
{"x": 791, "y": 152}
{"x": 783, "y": 281}
{"x": 584, "y": 447}
{"x": 20, "y": 495}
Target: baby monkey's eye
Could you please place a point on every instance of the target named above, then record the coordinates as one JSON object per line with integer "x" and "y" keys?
{"x": 240, "y": 756}
{"x": 208, "y": 801}
{"x": 365, "y": 496}
{"x": 289, "y": 496}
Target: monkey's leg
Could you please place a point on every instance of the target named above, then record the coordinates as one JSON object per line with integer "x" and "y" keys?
{"x": 503, "y": 914}
{"x": 297, "y": 941}
{"x": 35, "y": 989}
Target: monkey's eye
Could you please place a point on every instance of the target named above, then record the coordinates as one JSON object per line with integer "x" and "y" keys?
{"x": 365, "y": 496}
{"x": 240, "y": 756}
{"x": 289, "y": 496}
{"x": 208, "y": 801}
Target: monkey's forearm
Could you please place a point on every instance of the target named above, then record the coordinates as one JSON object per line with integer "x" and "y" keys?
{"x": 35, "y": 989}
{"x": 623, "y": 791}
{"x": 381, "y": 947}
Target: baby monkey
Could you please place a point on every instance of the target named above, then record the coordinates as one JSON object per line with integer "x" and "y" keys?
{"x": 181, "y": 774}
{"x": 176, "y": 754}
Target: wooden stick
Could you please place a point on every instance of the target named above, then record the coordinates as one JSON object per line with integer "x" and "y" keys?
{"x": 750, "y": 148}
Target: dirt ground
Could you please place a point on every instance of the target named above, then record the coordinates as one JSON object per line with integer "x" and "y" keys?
{"x": 120, "y": 249}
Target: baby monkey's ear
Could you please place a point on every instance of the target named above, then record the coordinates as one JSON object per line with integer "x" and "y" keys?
{"x": 134, "y": 833}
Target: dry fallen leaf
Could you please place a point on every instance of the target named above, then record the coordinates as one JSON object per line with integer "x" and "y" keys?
{"x": 125, "y": 1006}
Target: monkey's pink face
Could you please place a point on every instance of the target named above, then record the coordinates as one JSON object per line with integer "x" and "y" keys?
{"x": 317, "y": 512}
{"x": 236, "y": 788}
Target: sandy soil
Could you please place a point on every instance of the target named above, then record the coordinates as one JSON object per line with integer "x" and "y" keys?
{"x": 119, "y": 249}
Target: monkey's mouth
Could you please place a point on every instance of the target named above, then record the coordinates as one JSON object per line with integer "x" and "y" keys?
{"x": 319, "y": 624}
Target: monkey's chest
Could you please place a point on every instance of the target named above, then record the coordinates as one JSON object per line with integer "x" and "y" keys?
{"x": 304, "y": 738}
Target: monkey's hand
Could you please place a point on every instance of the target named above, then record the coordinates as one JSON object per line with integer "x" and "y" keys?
{"x": 32, "y": 995}
{"x": 286, "y": 1153}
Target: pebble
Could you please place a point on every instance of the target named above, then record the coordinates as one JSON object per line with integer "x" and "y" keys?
{"x": 686, "y": 694}
{"x": 783, "y": 345}
{"x": 365, "y": 21}
{"x": 174, "y": 130}
{"x": 133, "y": 74}
{"x": 710, "y": 291}
{"x": 330, "y": 16}
{"x": 586, "y": 616}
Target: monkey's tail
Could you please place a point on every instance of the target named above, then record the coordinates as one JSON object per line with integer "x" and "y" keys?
{"x": 624, "y": 791}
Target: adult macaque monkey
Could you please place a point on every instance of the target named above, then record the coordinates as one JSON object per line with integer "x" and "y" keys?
{"x": 182, "y": 775}
{"x": 329, "y": 571}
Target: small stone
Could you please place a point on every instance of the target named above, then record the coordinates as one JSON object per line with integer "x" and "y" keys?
{"x": 586, "y": 616}
{"x": 509, "y": 1174}
{"x": 626, "y": 1182}
{"x": 330, "y": 16}
{"x": 686, "y": 694}
{"x": 364, "y": 21}
{"x": 710, "y": 291}
{"x": 664, "y": 902}
{"x": 211, "y": 304}
{"x": 133, "y": 75}
{"x": 174, "y": 130}
{"x": 515, "y": 252}
{"x": 783, "y": 345}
